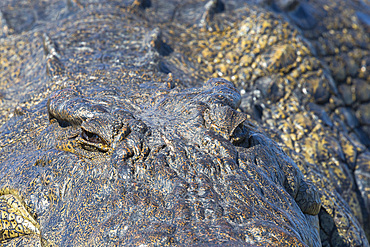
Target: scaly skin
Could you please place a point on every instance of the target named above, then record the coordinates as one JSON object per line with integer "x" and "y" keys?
{"x": 289, "y": 90}
{"x": 103, "y": 148}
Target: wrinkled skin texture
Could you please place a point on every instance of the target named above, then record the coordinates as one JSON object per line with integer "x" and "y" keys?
{"x": 100, "y": 146}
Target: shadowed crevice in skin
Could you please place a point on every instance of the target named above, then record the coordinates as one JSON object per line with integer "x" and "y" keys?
{"x": 212, "y": 7}
{"x": 364, "y": 18}
{"x": 301, "y": 13}
{"x": 330, "y": 232}
{"x": 143, "y": 4}
{"x": 4, "y": 27}
{"x": 54, "y": 66}
{"x": 155, "y": 41}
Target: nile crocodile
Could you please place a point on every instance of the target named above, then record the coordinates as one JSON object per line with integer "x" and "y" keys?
{"x": 113, "y": 132}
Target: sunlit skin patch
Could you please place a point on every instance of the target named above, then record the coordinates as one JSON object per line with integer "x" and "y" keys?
{"x": 15, "y": 218}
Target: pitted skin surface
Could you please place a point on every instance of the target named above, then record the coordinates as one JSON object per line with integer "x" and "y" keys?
{"x": 100, "y": 145}
{"x": 343, "y": 45}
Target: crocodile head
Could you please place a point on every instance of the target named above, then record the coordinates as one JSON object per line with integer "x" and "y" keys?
{"x": 175, "y": 165}
{"x": 121, "y": 156}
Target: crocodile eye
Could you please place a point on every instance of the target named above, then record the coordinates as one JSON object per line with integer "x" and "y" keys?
{"x": 91, "y": 137}
{"x": 239, "y": 134}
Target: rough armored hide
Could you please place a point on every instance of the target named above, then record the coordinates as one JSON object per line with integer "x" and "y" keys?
{"x": 287, "y": 88}
{"x": 113, "y": 132}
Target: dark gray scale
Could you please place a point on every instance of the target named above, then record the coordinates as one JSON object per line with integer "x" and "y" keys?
{"x": 300, "y": 13}
{"x": 54, "y": 66}
{"x": 4, "y": 27}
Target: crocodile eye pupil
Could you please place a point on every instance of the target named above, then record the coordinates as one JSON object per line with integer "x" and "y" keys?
{"x": 91, "y": 137}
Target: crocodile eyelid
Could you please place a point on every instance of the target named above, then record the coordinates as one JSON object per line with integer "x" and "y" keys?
{"x": 92, "y": 142}
{"x": 91, "y": 137}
